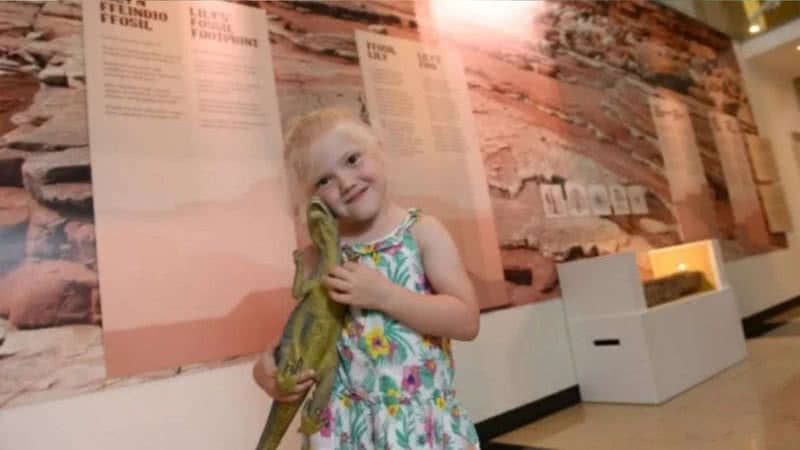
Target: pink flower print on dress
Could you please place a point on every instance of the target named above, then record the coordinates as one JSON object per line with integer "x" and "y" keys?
{"x": 429, "y": 429}
{"x": 361, "y": 394}
{"x": 411, "y": 380}
{"x": 421, "y": 283}
{"x": 327, "y": 423}
{"x": 347, "y": 353}
{"x": 393, "y": 249}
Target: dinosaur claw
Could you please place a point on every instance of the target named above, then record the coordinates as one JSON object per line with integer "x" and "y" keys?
{"x": 310, "y": 424}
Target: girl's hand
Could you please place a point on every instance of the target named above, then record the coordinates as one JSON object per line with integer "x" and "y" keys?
{"x": 264, "y": 375}
{"x": 357, "y": 285}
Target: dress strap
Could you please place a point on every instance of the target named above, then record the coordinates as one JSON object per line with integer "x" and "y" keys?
{"x": 392, "y": 241}
{"x": 411, "y": 218}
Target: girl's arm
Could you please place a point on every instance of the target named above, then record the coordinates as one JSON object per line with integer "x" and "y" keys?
{"x": 452, "y": 311}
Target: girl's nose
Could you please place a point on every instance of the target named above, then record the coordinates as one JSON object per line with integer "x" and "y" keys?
{"x": 346, "y": 183}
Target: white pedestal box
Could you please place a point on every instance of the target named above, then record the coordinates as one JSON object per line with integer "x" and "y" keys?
{"x": 628, "y": 353}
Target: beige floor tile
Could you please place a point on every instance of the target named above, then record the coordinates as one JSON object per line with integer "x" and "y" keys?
{"x": 754, "y": 405}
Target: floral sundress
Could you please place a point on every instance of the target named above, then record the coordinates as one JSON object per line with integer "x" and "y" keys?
{"x": 393, "y": 387}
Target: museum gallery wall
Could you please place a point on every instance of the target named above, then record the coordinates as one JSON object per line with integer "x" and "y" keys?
{"x": 538, "y": 132}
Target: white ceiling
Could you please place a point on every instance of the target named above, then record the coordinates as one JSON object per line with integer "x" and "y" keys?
{"x": 775, "y": 49}
{"x": 783, "y": 59}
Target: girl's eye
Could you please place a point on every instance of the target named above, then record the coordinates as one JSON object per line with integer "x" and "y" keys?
{"x": 322, "y": 182}
{"x": 353, "y": 159}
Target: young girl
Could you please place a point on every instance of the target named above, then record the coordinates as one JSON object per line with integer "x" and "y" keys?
{"x": 408, "y": 293}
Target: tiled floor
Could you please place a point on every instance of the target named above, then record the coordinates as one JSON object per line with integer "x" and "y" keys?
{"x": 754, "y": 405}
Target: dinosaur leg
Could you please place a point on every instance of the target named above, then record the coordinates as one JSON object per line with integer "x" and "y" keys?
{"x": 289, "y": 366}
{"x": 286, "y": 376}
{"x": 295, "y": 361}
{"x": 311, "y": 420}
{"x": 305, "y": 286}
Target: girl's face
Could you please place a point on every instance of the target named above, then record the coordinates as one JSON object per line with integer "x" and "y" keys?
{"x": 347, "y": 175}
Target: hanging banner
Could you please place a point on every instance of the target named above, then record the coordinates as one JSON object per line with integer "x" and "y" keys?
{"x": 193, "y": 228}
{"x": 418, "y": 104}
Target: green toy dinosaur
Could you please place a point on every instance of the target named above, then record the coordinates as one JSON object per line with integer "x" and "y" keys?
{"x": 310, "y": 334}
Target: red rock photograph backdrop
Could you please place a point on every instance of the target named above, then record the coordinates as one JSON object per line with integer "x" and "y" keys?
{"x": 561, "y": 93}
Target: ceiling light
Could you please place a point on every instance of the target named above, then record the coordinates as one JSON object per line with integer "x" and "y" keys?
{"x": 754, "y": 28}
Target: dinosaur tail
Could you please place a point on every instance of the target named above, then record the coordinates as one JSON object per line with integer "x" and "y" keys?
{"x": 278, "y": 421}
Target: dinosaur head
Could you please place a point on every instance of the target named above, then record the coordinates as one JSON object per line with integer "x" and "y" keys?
{"x": 322, "y": 226}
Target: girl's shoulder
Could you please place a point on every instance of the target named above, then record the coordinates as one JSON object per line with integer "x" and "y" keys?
{"x": 427, "y": 229}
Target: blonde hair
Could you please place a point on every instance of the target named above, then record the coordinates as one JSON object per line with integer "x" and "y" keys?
{"x": 303, "y": 131}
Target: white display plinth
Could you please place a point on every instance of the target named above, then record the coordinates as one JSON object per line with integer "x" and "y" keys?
{"x": 626, "y": 352}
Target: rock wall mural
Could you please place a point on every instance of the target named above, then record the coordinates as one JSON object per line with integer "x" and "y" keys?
{"x": 560, "y": 92}
{"x": 561, "y": 95}
{"x": 49, "y": 301}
